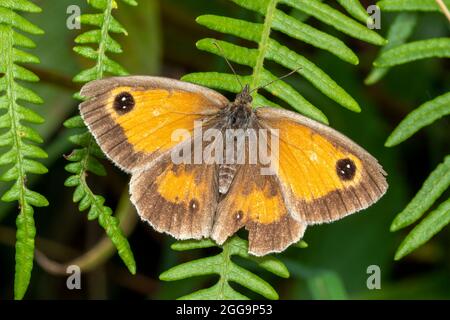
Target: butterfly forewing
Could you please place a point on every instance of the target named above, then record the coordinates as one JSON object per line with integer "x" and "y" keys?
{"x": 133, "y": 118}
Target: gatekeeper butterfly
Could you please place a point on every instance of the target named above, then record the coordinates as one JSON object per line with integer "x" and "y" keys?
{"x": 320, "y": 175}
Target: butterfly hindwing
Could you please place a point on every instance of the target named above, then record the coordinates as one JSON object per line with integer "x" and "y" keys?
{"x": 324, "y": 175}
{"x": 256, "y": 202}
{"x": 178, "y": 199}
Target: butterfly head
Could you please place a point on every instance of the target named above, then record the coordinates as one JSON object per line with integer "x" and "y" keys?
{"x": 244, "y": 98}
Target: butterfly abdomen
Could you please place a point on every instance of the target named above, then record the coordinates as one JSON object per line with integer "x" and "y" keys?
{"x": 226, "y": 175}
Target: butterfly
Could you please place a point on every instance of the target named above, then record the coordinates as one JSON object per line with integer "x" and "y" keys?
{"x": 141, "y": 122}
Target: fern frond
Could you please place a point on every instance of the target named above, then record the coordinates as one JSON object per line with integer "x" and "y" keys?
{"x": 228, "y": 271}
{"x": 400, "y": 30}
{"x": 419, "y": 118}
{"x": 271, "y": 50}
{"x": 84, "y": 159}
{"x": 411, "y": 5}
{"x": 439, "y": 180}
{"x": 408, "y": 52}
{"x": 16, "y": 135}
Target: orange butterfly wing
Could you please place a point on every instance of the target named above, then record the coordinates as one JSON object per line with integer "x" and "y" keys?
{"x": 323, "y": 174}
{"x": 177, "y": 199}
{"x": 256, "y": 202}
{"x": 135, "y": 137}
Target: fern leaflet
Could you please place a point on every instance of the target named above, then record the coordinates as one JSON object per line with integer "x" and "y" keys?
{"x": 410, "y": 5}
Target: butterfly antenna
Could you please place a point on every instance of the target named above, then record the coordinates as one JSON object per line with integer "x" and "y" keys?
{"x": 229, "y": 64}
{"x": 280, "y": 78}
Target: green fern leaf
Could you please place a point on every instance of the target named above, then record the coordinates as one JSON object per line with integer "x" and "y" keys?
{"x": 16, "y": 135}
{"x": 425, "y": 230}
{"x": 419, "y": 118}
{"x": 423, "y": 49}
{"x": 227, "y": 270}
{"x": 301, "y": 31}
{"x": 84, "y": 159}
{"x": 400, "y": 30}
{"x": 433, "y": 187}
{"x": 410, "y": 5}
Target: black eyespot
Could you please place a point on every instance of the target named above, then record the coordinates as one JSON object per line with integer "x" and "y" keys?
{"x": 345, "y": 169}
{"x": 124, "y": 102}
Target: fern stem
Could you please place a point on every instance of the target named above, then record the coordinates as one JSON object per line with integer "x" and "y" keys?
{"x": 444, "y": 9}
{"x": 263, "y": 44}
{"x": 102, "y": 44}
{"x": 17, "y": 143}
{"x": 99, "y": 75}
{"x": 226, "y": 258}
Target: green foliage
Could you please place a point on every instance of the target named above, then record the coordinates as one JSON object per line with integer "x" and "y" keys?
{"x": 423, "y": 49}
{"x": 424, "y": 115}
{"x": 269, "y": 49}
{"x": 84, "y": 159}
{"x": 433, "y": 187}
{"x": 438, "y": 182}
{"x": 326, "y": 285}
{"x": 322, "y": 284}
{"x": 228, "y": 271}
{"x": 425, "y": 230}
{"x": 16, "y": 136}
{"x": 410, "y": 5}
{"x": 355, "y": 8}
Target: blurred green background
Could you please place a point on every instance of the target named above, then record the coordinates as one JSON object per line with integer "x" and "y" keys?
{"x": 161, "y": 41}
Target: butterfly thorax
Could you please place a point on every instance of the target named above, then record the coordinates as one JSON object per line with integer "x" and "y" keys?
{"x": 238, "y": 114}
